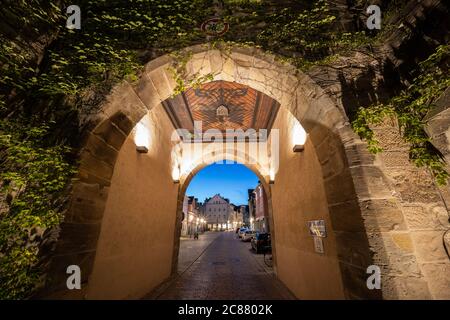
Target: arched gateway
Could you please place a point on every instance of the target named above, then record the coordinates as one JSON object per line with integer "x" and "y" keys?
{"x": 122, "y": 227}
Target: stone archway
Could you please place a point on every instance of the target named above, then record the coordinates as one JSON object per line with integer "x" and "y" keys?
{"x": 351, "y": 181}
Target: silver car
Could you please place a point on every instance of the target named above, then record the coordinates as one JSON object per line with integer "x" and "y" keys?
{"x": 248, "y": 235}
{"x": 242, "y": 231}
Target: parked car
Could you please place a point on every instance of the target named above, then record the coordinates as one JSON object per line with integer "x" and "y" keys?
{"x": 248, "y": 235}
{"x": 241, "y": 232}
{"x": 260, "y": 242}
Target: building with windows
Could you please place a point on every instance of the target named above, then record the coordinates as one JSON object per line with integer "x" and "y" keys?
{"x": 218, "y": 211}
{"x": 246, "y": 215}
{"x": 261, "y": 222}
{"x": 193, "y": 220}
{"x": 251, "y": 208}
{"x": 237, "y": 217}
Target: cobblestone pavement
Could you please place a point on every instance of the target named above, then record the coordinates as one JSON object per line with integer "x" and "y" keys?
{"x": 191, "y": 249}
{"x": 226, "y": 269}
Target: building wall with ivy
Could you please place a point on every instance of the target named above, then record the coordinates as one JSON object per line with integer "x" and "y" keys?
{"x": 53, "y": 81}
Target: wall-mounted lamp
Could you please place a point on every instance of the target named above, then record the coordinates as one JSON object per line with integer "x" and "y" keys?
{"x": 141, "y": 138}
{"x": 176, "y": 174}
{"x": 271, "y": 176}
{"x": 142, "y": 149}
{"x": 298, "y": 148}
{"x": 299, "y": 136}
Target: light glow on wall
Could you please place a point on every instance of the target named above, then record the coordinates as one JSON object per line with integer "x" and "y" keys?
{"x": 141, "y": 138}
{"x": 176, "y": 173}
{"x": 299, "y": 136}
{"x": 272, "y": 175}
{"x": 298, "y": 133}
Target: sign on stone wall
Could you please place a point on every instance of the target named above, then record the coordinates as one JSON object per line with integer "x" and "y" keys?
{"x": 318, "y": 244}
{"x": 215, "y": 27}
{"x": 318, "y": 231}
{"x": 317, "y": 228}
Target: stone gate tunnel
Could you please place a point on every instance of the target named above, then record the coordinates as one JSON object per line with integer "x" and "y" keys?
{"x": 123, "y": 224}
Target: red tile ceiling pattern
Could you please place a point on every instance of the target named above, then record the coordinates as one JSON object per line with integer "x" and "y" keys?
{"x": 247, "y": 107}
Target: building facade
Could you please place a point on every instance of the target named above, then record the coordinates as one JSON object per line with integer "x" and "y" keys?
{"x": 251, "y": 208}
{"x": 261, "y": 222}
{"x": 218, "y": 211}
{"x": 237, "y": 217}
{"x": 193, "y": 220}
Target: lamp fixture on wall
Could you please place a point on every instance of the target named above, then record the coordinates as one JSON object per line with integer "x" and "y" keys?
{"x": 176, "y": 174}
{"x": 271, "y": 176}
{"x": 141, "y": 138}
{"x": 299, "y": 136}
{"x": 298, "y": 148}
{"x": 142, "y": 149}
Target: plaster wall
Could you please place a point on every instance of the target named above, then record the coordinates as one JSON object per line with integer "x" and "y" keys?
{"x": 298, "y": 196}
{"x": 136, "y": 239}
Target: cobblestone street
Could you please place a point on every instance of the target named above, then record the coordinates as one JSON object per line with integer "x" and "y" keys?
{"x": 218, "y": 266}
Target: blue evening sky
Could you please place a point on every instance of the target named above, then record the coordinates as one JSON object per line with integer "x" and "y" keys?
{"x": 230, "y": 180}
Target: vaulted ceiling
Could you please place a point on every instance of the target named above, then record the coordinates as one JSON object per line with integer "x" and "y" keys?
{"x": 222, "y": 105}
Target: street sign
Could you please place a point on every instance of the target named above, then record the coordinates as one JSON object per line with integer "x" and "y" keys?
{"x": 317, "y": 228}
{"x": 215, "y": 27}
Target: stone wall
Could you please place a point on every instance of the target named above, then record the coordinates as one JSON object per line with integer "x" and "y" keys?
{"x": 417, "y": 236}
{"x": 438, "y": 124}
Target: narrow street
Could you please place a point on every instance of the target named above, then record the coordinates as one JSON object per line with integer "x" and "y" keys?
{"x": 219, "y": 266}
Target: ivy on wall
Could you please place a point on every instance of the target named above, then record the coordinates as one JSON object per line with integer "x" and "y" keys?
{"x": 409, "y": 108}
{"x": 33, "y": 177}
{"x": 179, "y": 73}
{"x": 311, "y": 34}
